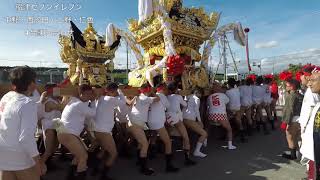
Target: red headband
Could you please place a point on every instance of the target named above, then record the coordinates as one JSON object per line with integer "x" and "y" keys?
{"x": 145, "y": 90}
{"x": 306, "y": 74}
{"x": 316, "y": 69}
{"x": 160, "y": 88}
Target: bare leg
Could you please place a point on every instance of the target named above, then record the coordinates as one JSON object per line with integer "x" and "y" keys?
{"x": 184, "y": 134}
{"x": 7, "y": 175}
{"x": 140, "y": 136}
{"x": 225, "y": 124}
{"x": 196, "y": 127}
{"x": 51, "y": 144}
{"x": 75, "y": 146}
{"x": 165, "y": 138}
{"x": 107, "y": 143}
{"x": 186, "y": 142}
{"x": 138, "y": 133}
{"x": 27, "y": 174}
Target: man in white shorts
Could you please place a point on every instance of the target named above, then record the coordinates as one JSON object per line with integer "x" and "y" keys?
{"x": 258, "y": 93}
{"x": 234, "y": 105}
{"x": 246, "y": 102}
{"x": 72, "y": 124}
{"x": 157, "y": 120}
{"x": 175, "y": 118}
{"x": 138, "y": 118}
{"x": 104, "y": 123}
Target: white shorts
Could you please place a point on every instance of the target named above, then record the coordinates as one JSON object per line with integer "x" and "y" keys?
{"x": 174, "y": 118}
{"x": 257, "y": 102}
{"x": 59, "y": 127}
{"x": 103, "y": 130}
{"x": 156, "y": 125}
{"x": 90, "y": 124}
{"x": 267, "y": 101}
{"x": 140, "y": 124}
{"x": 47, "y": 124}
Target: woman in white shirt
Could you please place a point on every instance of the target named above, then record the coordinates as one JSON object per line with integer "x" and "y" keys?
{"x": 192, "y": 120}
{"x": 217, "y": 111}
{"x": 175, "y": 118}
{"x": 72, "y": 124}
{"x": 20, "y": 158}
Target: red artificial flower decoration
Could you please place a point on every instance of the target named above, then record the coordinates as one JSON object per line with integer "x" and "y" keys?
{"x": 175, "y": 64}
{"x": 283, "y": 126}
{"x": 268, "y": 76}
{"x": 253, "y": 77}
{"x": 298, "y": 75}
{"x": 285, "y": 75}
{"x": 306, "y": 69}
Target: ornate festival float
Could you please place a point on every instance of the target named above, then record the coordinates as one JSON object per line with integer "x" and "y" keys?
{"x": 171, "y": 37}
{"x": 166, "y": 41}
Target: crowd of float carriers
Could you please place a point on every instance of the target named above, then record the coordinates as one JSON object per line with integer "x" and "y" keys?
{"x": 156, "y": 121}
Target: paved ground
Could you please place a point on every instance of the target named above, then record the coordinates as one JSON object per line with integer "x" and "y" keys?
{"x": 257, "y": 160}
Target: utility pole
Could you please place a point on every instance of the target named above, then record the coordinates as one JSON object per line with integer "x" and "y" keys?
{"x": 224, "y": 54}
{"x": 127, "y": 70}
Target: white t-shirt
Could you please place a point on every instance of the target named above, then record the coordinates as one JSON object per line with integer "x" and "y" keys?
{"x": 47, "y": 122}
{"x": 123, "y": 110}
{"x": 104, "y": 120}
{"x": 217, "y": 103}
{"x": 75, "y": 113}
{"x": 258, "y": 93}
{"x": 140, "y": 109}
{"x": 35, "y": 96}
{"x": 174, "y": 113}
{"x": 157, "y": 114}
{"x": 267, "y": 96}
{"x": 234, "y": 97}
{"x": 192, "y": 111}
{"x": 176, "y": 101}
{"x": 17, "y": 129}
{"x": 245, "y": 95}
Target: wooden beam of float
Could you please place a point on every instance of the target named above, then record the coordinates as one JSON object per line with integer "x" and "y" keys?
{"x": 127, "y": 91}
{"x": 73, "y": 91}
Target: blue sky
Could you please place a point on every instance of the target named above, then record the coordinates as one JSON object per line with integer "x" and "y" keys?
{"x": 278, "y": 27}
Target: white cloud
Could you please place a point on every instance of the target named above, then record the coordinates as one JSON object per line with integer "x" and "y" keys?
{"x": 36, "y": 54}
{"x": 269, "y": 44}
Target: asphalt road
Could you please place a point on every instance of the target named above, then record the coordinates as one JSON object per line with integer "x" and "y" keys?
{"x": 259, "y": 159}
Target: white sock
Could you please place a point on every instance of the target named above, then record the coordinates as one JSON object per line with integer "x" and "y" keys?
{"x": 205, "y": 143}
{"x": 198, "y": 147}
{"x": 197, "y": 152}
{"x": 230, "y": 146}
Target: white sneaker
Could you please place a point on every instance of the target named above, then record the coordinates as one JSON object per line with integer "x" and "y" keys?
{"x": 199, "y": 154}
{"x": 232, "y": 147}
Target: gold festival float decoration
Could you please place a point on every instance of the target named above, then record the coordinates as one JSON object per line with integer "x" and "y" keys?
{"x": 86, "y": 55}
{"x": 172, "y": 30}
